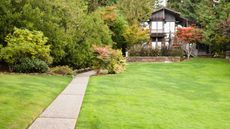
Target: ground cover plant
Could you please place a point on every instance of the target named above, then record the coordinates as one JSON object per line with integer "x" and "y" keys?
{"x": 188, "y": 95}
{"x": 24, "y": 97}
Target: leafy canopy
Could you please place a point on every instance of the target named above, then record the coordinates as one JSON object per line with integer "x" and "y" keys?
{"x": 189, "y": 35}
{"x": 23, "y": 43}
{"x": 136, "y": 10}
{"x": 134, "y": 34}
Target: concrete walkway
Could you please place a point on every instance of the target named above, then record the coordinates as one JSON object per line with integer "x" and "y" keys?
{"x": 63, "y": 111}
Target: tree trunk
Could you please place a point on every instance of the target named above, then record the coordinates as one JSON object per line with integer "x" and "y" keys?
{"x": 188, "y": 56}
{"x": 188, "y": 53}
{"x": 98, "y": 71}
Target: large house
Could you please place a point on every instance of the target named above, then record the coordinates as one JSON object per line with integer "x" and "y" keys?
{"x": 163, "y": 24}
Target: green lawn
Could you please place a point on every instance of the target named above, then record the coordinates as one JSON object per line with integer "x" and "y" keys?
{"x": 24, "y": 97}
{"x": 189, "y": 95}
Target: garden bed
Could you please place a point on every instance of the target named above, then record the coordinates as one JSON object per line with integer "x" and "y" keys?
{"x": 154, "y": 59}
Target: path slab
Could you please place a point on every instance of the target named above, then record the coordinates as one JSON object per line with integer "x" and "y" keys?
{"x": 77, "y": 87}
{"x": 53, "y": 123}
{"x": 64, "y": 110}
{"x": 64, "y": 106}
{"x": 73, "y": 90}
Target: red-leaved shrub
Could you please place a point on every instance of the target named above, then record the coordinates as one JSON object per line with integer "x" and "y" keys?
{"x": 108, "y": 59}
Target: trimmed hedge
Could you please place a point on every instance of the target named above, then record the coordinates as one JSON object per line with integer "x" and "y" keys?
{"x": 142, "y": 51}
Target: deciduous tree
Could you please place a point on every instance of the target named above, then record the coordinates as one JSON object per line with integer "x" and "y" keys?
{"x": 135, "y": 34}
{"x": 189, "y": 36}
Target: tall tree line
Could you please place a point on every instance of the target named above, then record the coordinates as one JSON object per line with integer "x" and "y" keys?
{"x": 211, "y": 16}
{"x": 72, "y": 26}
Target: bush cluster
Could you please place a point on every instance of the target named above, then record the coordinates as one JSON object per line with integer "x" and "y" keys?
{"x": 23, "y": 43}
{"x": 26, "y": 51}
{"x": 65, "y": 32}
{"x": 109, "y": 59}
{"x": 63, "y": 70}
{"x": 27, "y": 65}
{"x": 147, "y": 51}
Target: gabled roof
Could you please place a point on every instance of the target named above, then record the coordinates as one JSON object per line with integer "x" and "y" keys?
{"x": 175, "y": 13}
{"x": 166, "y": 9}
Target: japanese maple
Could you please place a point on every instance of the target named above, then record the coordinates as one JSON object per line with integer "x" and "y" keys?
{"x": 188, "y": 36}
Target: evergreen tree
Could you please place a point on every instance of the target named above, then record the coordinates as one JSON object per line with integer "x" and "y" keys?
{"x": 94, "y": 4}
{"x": 208, "y": 15}
{"x": 136, "y": 10}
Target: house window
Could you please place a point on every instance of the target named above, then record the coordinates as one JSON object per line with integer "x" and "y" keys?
{"x": 170, "y": 27}
{"x": 156, "y": 45}
{"x": 159, "y": 45}
{"x": 157, "y": 26}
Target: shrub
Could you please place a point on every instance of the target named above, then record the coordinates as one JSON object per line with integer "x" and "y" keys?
{"x": 63, "y": 70}
{"x": 102, "y": 57}
{"x": 117, "y": 62}
{"x": 176, "y": 52}
{"x": 23, "y": 43}
{"x": 139, "y": 50}
{"x": 165, "y": 51}
{"x": 27, "y": 65}
{"x": 109, "y": 59}
{"x": 143, "y": 51}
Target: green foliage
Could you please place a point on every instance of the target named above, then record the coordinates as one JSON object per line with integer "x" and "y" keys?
{"x": 72, "y": 26}
{"x": 27, "y": 65}
{"x": 117, "y": 25}
{"x": 23, "y": 43}
{"x": 186, "y": 7}
{"x": 70, "y": 29}
{"x": 136, "y": 10}
{"x": 211, "y": 20}
{"x": 91, "y": 30}
{"x": 117, "y": 62}
{"x": 9, "y": 13}
{"x": 208, "y": 15}
{"x": 109, "y": 59}
{"x": 123, "y": 34}
{"x": 139, "y": 50}
{"x": 78, "y": 56}
{"x": 94, "y": 4}
{"x": 223, "y": 35}
{"x": 135, "y": 34}
{"x": 174, "y": 52}
{"x": 63, "y": 70}
{"x": 97, "y": 32}
{"x": 34, "y": 15}
{"x": 118, "y": 29}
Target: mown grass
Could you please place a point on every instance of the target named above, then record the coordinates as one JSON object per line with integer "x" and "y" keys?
{"x": 188, "y": 95}
{"x": 24, "y": 97}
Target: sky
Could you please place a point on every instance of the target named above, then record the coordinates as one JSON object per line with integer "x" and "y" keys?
{"x": 163, "y": 2}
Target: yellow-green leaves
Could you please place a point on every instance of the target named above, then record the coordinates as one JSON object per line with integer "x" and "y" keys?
{"x": 23, "y": 43}
{"x": 135, "y": 34}
{"x": 136, "y": 10}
